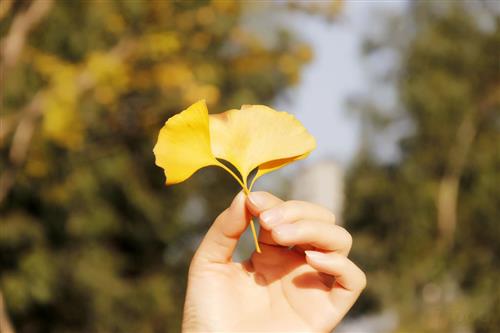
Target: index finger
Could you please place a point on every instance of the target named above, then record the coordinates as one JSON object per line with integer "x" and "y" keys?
{"x": 258, "y": 202}
{"x": 273, "y": 211}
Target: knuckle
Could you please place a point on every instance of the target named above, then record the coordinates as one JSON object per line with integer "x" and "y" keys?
{"x": 293, "y": 206}
{"x": 339, "y": 261}
{"x": 293, "y": 202}
{"x": 325, "y": 213}
{"x": 344, "y": 264}
{"x": 301, "y": 231}
{"x": 346, "y": 238}
{"x": 362, "y": 280}
{"x": 291, "y": 209}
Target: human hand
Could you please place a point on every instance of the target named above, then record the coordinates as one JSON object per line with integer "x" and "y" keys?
{"x": 301, "y": 282}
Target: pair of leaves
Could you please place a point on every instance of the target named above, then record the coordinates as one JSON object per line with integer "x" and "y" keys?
{"x": 254, "y": 137}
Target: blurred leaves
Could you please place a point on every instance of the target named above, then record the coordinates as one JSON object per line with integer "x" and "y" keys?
{"x": 427, "y": 221}
{"x": 88, "y": 231}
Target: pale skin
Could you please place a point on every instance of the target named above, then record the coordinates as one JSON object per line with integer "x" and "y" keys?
{"x": 301, "y": 282}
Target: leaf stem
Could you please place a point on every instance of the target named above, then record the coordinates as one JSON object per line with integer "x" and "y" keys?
{"x": 247, "y": 192}
{"x": 252, "y": 182}
{"x": 252, "y": 226}
{"x": 234, "y": 176}
{"x": 256, "y": 241}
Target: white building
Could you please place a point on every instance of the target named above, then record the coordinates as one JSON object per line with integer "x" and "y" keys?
{"x": 322, "y": 183}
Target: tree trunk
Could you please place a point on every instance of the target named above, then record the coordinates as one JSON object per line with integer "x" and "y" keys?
{"x": 449, "y": 185}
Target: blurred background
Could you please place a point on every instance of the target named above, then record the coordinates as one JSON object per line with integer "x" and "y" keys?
{"x": 403, "y": 98}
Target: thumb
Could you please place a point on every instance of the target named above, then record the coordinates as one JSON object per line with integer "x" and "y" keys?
{"x": 221, "y": 239}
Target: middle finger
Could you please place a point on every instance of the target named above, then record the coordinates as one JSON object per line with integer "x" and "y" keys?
{"x": 319, "y": 234}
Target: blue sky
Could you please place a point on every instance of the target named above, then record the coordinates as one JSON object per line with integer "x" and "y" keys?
{"x": 336, "y": 73}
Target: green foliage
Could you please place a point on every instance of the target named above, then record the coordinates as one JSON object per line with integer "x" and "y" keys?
{"x": 90, "y": 238}
{"x": 426, "y": 224}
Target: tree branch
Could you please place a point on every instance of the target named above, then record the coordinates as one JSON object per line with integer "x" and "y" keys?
{"x": 29, "y": 116}
{"x": 449, "y": 185}
{"x": 12, "y": 44}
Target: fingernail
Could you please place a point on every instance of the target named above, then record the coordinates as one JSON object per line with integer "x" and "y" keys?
{"x": 257, "y": 199}
{"x": 315, "y": 255}
{"x": 271, "y": 217}
{"x": 285, "y": 231}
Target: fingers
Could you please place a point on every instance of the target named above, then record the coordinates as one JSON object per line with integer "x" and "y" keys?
{"x": 346, "y": 273}
{"x": 321, "y": 235}
{"x": 221, "y": 239}
{"x": 349, "y": 279}
{"x": 297, "y": 223}
{"x": 273, "y": 211}
{"x": 258, "y": 202}
{"x": 294, "y": 210}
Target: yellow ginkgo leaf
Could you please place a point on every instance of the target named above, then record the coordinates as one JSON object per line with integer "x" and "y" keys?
{"x": 254, "y": 137}
{"x": 274, "y": 165}
{"x": 258, "y": 137}
{"x": 183, "y": 145}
